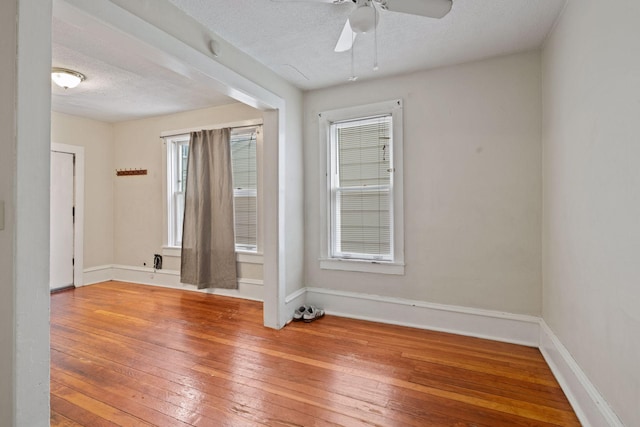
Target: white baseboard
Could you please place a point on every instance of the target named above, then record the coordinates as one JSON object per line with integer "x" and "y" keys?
{"x": 250, "y": 289}
{"x": 296, "y": 298}
{"x": 294, "y": 301}
{"x": 247, "y": 288}
{"x": 146, "y": 276}
{"x": 92, "y": 275}
{"x": 590, "y": 407}
{"x": 493, "y": 325}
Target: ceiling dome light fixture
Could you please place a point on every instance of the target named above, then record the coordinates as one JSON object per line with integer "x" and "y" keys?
{"x": 364, "y": 18}
{"x": 66, "y": 78}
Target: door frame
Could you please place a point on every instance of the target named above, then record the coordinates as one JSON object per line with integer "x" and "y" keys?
{"x": 78, "y": 201}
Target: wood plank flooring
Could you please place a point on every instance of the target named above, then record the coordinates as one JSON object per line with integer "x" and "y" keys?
{"x": 133, "y": 355}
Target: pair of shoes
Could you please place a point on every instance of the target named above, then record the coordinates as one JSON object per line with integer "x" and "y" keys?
{"x": 299, "y": 313}
{"x": 312, "y": 313}
{"x": 308, "y": 313}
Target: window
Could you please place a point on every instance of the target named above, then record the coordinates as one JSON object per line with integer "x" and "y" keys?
{"x": 177, "y": 155}
{"x": 363, "y": 197}
{"x": 361, "y": 189}
{"x": 245, "y": 188}
{"x": 244, "y": 143}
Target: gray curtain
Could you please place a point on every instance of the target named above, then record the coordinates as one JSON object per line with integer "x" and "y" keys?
{"x": 208, "y": 245}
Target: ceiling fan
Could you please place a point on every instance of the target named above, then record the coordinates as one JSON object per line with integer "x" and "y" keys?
{"x": 364, "y": 17}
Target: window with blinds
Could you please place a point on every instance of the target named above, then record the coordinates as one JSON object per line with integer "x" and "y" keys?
{"x": 182, "y": 154}
{"x": 361, "y": 188}
{"x": 245, "y": 187}
{"x": 177, "y": 157}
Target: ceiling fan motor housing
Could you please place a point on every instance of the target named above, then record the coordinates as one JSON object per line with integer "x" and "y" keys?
{"x": 364, "y": 18}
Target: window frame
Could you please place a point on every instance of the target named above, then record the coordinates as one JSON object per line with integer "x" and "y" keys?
{"x": 173, "y": 143}
{"x": 336, "y": 187}
{"x": 246, "y": 192}
{"x": 328, "y": 160}
{"x": 170, "y": 138}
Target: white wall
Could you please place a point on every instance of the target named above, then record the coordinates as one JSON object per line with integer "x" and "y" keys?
{"x": 139, "y": 200}
{"x": 8, "y": 40}
{"x": 97, "y": 139}
{"x": 591, "y": 232}
{"x": 25, "y": 48}
{"x": 472, "y": 185}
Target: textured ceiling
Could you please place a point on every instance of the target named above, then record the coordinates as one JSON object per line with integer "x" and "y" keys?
{"x": 120, "y": 85}
{"x": 296, "y": 40}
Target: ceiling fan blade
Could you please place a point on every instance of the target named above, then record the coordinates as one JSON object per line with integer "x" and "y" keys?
{"x": 428, "y": 8}
{"x": 347, "y": 36}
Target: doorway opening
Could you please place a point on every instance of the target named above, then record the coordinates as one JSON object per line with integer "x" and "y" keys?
{"x": 66, "y": 217}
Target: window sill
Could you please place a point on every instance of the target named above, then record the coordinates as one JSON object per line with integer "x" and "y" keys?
{"x": 362, "y": 266}
{"x": 243, "y": 257}
{"x": 171, "y": 251}
{"x": 249, "y": 257}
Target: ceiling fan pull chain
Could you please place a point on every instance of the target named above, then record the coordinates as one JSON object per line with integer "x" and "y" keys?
{"x": 375, "y": 44}
{"x": 353, "y": 77}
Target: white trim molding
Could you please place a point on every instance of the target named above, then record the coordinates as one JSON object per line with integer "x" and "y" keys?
{"x": 364, "y": 266}
{"x": 78, "y": 205}
{"x": 493, "y": 325}
{"x": 251, "y": 289}
{"x": 293, "y": 301}
{"x": 589, "y": 405}
{"x": 297, "y": 296}
{"x": 236, "y": 124}
{"x": 172, "y": 251}
{"x": 587, "y": 402}
{"x": 241, "y": 257}
{"x": 249, "y": 258}
{"x": 100, "y": 273}
{"x": 327, "y": 159}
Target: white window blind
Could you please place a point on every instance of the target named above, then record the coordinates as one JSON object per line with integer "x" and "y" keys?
{"x": 177, "y": 155}
{"x": 361, "y": 190}
{"x": 245, "y": 187}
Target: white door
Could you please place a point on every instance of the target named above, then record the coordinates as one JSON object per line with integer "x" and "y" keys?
{"x": 61, "y": 244}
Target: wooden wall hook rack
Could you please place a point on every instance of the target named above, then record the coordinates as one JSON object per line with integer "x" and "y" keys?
{"x": 129, "y": 172}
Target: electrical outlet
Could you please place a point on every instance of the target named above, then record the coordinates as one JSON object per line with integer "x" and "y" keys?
{"x": 157, "y": 262}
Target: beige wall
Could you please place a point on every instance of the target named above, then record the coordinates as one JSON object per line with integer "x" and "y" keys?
{"x": 173, "y": 36}
{"x": 124, "y": 215}
{"x": 283, "y": 212}
{"x": 138, "y": 200}
{"x": 591, "y": 144}
{"x": 472, "y": 185}
{"x": 97, "y": 139}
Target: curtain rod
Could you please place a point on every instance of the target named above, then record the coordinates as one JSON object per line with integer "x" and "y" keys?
{"x": 234, "y": 125}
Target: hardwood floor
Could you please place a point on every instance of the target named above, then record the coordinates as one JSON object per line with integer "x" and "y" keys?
{"x": 133, "y": 355}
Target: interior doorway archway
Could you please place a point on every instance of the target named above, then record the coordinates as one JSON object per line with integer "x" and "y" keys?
{"x": 118, "y": 26}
